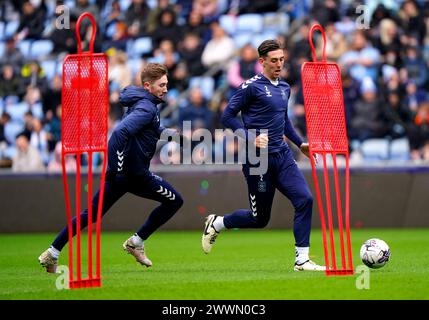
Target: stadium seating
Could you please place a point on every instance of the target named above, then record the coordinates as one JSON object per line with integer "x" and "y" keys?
{"x": 2, "y": 27}
{"x": 134, "y": 65}
{"x": 375, "y": 149}
{"x": 250, "y": 23}
{"x": 24, "y": 46}
{"x": 276, "y": 22}
{"x": 17, "y": 111}
{"x": 12, "y": 129}
{"x": 11, "y": 28}
{"x": 400, "y": 149}
{"x": 228, "y": 23}
{"x": 206, "y": 84}
{"x": 41, "y": 48}
{"x": 139, "y": 47}
{"x": 49, "y": 67}
{"x": 2, "y": 48}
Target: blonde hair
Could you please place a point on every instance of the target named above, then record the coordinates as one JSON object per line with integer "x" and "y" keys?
{"x": 152, "y": 72}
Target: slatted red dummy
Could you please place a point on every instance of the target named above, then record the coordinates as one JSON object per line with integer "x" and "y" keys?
{"x": 327, "y": 136}
{"x": 84, "y": 132}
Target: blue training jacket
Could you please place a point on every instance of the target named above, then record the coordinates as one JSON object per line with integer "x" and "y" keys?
{"x": 133, "y": 142}
{"x": 263, "y": 105}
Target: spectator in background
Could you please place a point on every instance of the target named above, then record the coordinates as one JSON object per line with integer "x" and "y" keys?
{"x": 191, "y": 50}
{"x": 32, "y": 22}
{"x": 380, "y": 13}
{"x": 119, "y": 37}
{"x": 415, "y": 66}
{"x": 27, "y": 158}
{"x": 196, "y": 110}
{"x": 11, "y": 84}
{"x": 168, "y": 29}
{"x": 39, "y": 139}
{"x": 53, "y": 128}
{"x": 411, "y": 19}
{"x": 4, "y": 118}
{"x": 136, "y": 18}
{"x": 51, "y": 98}
{"x": 196, "y": 25}
{"x": 243, "y": 68}
{"x": 399, "y": 119}
{"x": 414, "y": 96}
{"x": 64, "y": 40}
{"x": 153, "y": 18}
{"x": 12, "y": 55}
{"x": 28, "y": 124}
{"x": 362, "y": 60}
{"x": 179, "y": 79}
{"x": 325, "y": 11}
{"x": 336, "y": 44}
{"x": 219, "y": 49}
{"x": 388, "y": 38}
{"x": 297, "y": 42}
{"x": 85, "y": 6}
{"x": 351, "y": 94}
{"x": 119, "y": 72}
{"x": 367, "y": 119}
{"x": 420, "y": 139}
{"x": 208, "y": 9}
{"x": 115, "y": 14}
{"x": 34, "y": 76}
{"x": 55, "y": 164}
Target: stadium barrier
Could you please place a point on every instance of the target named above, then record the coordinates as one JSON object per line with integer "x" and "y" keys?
{"x": 379, "y": 197}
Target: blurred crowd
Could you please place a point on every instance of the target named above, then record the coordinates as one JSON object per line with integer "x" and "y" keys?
{"x": 209, "y": 47}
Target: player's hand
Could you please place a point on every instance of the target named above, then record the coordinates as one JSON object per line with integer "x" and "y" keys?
{"x": 305, "y": 149}
{"x": 261, "y": 141}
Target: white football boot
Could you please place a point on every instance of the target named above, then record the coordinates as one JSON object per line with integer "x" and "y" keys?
{"x": 137, "y": 252}
{"x": 308, "y": 266}
{"x": 210, "y": 234}
{"x": 48, "y": 262}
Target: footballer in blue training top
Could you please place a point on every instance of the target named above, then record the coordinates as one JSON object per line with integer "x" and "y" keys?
{"x": 263, "y": 101}
{"x": 131, "y": 147}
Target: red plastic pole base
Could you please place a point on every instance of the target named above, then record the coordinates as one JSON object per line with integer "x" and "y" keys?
{"x": 345, "y": 272}
{"x": 85, "y": 283}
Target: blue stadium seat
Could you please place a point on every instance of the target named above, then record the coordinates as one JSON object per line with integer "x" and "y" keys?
{"x": 228, "y": 23}
{"x": 10, "y": 151}
{"x": 12, "y": 129}
{"x": 2, "y": 26}
{"x": 139, "y": 47}
{"x": 206, "y": 84}
{"x": 11, "y": 28}
{"x": 250, "y": 22}
{"x": 10, "y": 100}
{"x": 375, "y": 149}
{"x": 257, "y": 39}
{"x": 276, "y": 22}
{"x": 50, "y": 68}
{"x": 37, "y": 110}
{"x": 241, "y": 39}
{"x": 400, "y": 149}
{"x": 41, "y": 48}
{"x": 24, "y": 46}
{"x": 134, "y": 65}
{"x": 124, "y": 4}
{"x": 2, "y": 48}
{"x": 17, "y": 111}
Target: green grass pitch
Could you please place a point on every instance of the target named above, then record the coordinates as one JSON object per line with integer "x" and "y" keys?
{"x": 243, "y": 265}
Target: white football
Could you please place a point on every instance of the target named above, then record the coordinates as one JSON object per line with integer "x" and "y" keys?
{"x": 375, "y": 253}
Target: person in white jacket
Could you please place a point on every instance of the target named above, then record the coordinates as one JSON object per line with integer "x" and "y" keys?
{"x": 219, "y": 49}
